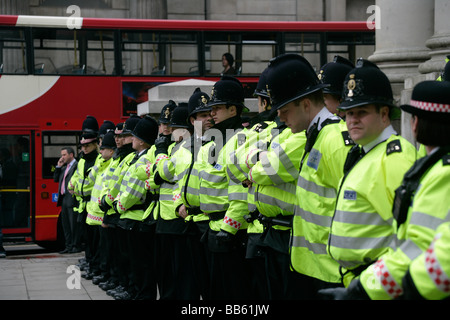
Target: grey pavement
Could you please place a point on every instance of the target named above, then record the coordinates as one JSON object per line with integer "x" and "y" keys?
{"x": 45, "y": 276}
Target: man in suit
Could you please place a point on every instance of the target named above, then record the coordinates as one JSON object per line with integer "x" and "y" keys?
{"x": 64, "y": 170}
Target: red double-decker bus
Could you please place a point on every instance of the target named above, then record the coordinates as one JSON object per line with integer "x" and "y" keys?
{"x": 54, "y": 71}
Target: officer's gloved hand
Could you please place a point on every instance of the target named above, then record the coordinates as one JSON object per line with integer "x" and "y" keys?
{"x": 224, "y": 237}
{"x": 103, "y": 205}
{"x": 355, "y": 291}
{"x": 114, "y": 205}
{"x": 162, "y": 144}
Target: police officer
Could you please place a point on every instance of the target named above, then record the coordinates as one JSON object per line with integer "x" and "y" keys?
{"x": 333, "y": 73}
{"x": 241, "y": 162}
{"x": 94, "y": 213}
{"x": 130, "y": 203}
{"x": 117, "y": 170}
{"x": 296, "y": 94}
{"x": 187, "y": 204}
{"x": 421, "y": 205}
{"x": 216, "y": 191}
{"x": 175, "y": 267}
{"x": 81, "y": 184}
{"x": 361, "y": 228}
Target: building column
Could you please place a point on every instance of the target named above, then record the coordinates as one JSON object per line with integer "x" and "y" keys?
{"x": 439, "y": 43}
{"x": 405, "y": 25}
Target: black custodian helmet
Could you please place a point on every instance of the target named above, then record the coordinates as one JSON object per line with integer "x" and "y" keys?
{"x": 146, "y": 130}
{"x": 367, "y": 84}
{"x": 166, "y": 112}
{"x": 261, "y": 87}
{"x": 180, "y": 116}
{"x": 229, "y": 91}
{"x": 130, "y": 124}
{"x": 334, "y": 73}
{"x": 198, "y": 102}
{"x": 290, "y": 77}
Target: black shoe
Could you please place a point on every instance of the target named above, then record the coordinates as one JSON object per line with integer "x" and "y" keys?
{"x": 75, "y": 250}
{"x": 115, "y": 291}
{"x": 65, "y": 251}
{"x": 98, "y": 279}
{"x": 122, "y": 296}
{"x": 108, "y": 285}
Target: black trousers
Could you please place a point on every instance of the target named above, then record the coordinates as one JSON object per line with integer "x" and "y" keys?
{"x": 92, "y": 248}
{"x": 200, "y": 257}
{"x": 109, "y": 249}
{"x": 122, "y": 263}
{"x": 141, "y": 248}
{"x": 175, "y": 268}
{"x": 230, "y": 272}
{"x": 68, "y": 221}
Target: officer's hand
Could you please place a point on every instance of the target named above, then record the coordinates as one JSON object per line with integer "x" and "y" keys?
{"x": 355, "y": 291}
{"x": 182, "y": 212}
{"x": 114, "y": 205}
{"x": 247, "y": 183}
{"x": 162, "y": 144}
{"x": 103, "y": 205}
{"x": 224, "y": 237}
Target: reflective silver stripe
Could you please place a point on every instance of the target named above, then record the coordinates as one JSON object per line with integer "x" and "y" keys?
{"x": 179, "y": 176}
{"x": 165, "y": 197}
{"x": 214, "y": 192}
{"x": 166, "y": 171}
{"x": 134, "y": 192}
{"x": 213, "y": 207}
{"x": 301, "y": 242}
{"x": 274, "y": 201}
{"x": 316, "y": 219}
{"x": 233, "y": 177}
{"x": 192, "y": 191}
{"x": 411, "y": 249}
{"x": 212, "y": 178}
{"x": 237, "y": 196}
{"x": 361, "y": 242}
{"x": 426, "y": 220}
{"x": 361, "y": 218}
{"x": 315, "y": 188}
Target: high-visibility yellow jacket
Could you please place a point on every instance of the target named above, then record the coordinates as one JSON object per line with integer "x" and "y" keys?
{"x": 81, "y": 182}
{"x": 362, "y": 225}
{"x": 95, "y": 214}
{"x": 430, "y": 271}
{"x": 429, "y": 208}
{"x": 318, "y": 181}
{"x": 132, "y": 192}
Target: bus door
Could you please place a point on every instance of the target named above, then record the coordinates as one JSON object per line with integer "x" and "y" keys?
{"x": 16, "y": 158}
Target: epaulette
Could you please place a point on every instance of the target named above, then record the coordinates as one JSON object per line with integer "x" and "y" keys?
{"x": 347, "y": 139}
{"x": 241, "y": 138}
{"x": 446, "y": 160}
{"x": 260, "y": 127}
{"x": 393, "y": 146}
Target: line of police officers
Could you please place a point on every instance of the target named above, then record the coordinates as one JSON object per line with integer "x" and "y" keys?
{"x": 311, "y": 201}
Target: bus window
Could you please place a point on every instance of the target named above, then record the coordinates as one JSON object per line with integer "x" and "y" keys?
{"x": 53, "y": 142}
{"x": 306, "y": 44}
{"x": 12, "y": 51}
{"x": 160, "y": 53}
{"x": 72, "y": 52}
{"x": 350, "y": 45}
{"x": 14, "y": 181}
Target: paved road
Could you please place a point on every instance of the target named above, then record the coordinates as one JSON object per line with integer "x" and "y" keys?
{"x": 30, "y": 272}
